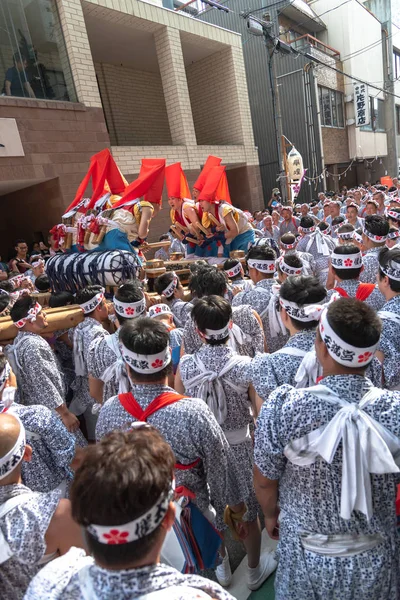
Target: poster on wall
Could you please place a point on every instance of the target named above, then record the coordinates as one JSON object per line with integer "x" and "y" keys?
{"x": 361, "y": 104}
{"x": 10, "y": 140}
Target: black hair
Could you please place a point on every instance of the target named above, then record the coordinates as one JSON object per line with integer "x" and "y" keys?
{"x": 163, "y": 282}
{"x": 288, "y": 239}
{"x": 386, "y": 255}
{"x": 145, "y": 336}
{"x": 303, "y": 290}
{"x": 293, "y": 260}
{"x": 377, "y": 225}
{"x": 21, "y": 308}
{"x": 17, "y": 57}
{"x": 307, "y": 222}
{"x": 42, "y": 283}
{"x": 86, "y": 294}
{"x": 212, "y": 312}
{"x": 229, "y": 264}
{"x": 7, "y": 286}
{"x": 262, "y": 253}
{"x": 355, "y": 322}
{"x": 19, "y": 241}
{"x": 163, "y": 237}
{"x": 346, "y": 228}
{"x": 346, "y": 250}
{"x": 323, "y": 226}
{"x": 337, "y": 220}
{"x": 208, "y": 281}
{"x": 120, "y": 479}
{"x": 131, "y": 291}
{"x": 58, "y": 299}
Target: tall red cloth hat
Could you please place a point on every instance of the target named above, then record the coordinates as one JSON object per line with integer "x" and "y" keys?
{"x": 149, "y": 183}
{"x": 177, "y": 185}
{"x": 105, "y": 176}
{"x": 216, "y": 187}
{"x": 212, "y": 161}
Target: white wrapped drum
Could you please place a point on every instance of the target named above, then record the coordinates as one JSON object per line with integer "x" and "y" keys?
{"x": 73, "y": 271}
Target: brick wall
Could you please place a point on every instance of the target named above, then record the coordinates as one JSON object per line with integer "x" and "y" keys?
{"x": 214, "y": 98}
{"x": 134, "y": 106}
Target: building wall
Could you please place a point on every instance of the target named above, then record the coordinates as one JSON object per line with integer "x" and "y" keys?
{"x": 214, "y": 99}
{"x": 134, "y": 106}
{"x": 335, "y": 144}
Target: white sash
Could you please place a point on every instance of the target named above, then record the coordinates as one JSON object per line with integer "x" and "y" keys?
{"x": 79, "y": 359}
{"x": 291, "y": 351}
{"x": 117, "y": 370}
{"x": 237, "y": 338}
{"x": 309, "y": 368}
{"x": 386, "y": 314}
{"x": 276, "y": 325}
{"x": 368, "y": 447}
{"x": 210, "y": 386}
{"x": 319, "y": 238}
{"x": 9, "y": 505}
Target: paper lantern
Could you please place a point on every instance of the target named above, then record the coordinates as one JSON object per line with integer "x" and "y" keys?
{"x": 295, "y": 165}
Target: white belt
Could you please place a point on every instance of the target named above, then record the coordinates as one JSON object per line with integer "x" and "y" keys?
{"x": 342, "y": 544}
{"x": 238, "y": 436}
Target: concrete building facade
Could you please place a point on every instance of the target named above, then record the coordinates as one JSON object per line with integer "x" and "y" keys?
{"x": 136, "y": 77}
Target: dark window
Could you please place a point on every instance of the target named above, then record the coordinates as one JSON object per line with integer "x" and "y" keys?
{"x": 377, "y": 115}
{"x": 396, "y": 66}
{"x": 398, "y": 119}
{"x": 331, "y": 107}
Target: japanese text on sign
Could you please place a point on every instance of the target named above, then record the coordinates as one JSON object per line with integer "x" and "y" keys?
{"x": 361, "y": 104}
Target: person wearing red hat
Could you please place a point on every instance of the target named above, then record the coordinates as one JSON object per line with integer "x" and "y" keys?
{"x": 212, "y": 161}
{"x": 216, "y": 204}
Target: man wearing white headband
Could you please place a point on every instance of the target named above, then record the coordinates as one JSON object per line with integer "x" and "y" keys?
{"x": 37, "y": 268}
{"x": 124, "y": 506}
{"x": 288, "y": 245}
{"x": 233, "y": 269}
{"x": 92, "y": 302}
{"x": 345, "y": 233}
{"x": 34, "y": 527}
{"x": 287, "y": 266}
{"x": 246, "y": 337}
{"x": 261, "y": 265}
{"x": 318, "y": 244}
{"x": 39, "y": 377}
{"x": 163, "y": 314}
{"x": 375, "y": 232}
{"x": 106, "y": 368}
{"x": 221, "y": 378}
{"x": 170, "y": 288}
{"x": 330, "y": 453}
{"x": 389, "y": 346}
{"x": 352, "y": 216}
{"x": 299, "y": 302}
{"x": 346, "y": 267}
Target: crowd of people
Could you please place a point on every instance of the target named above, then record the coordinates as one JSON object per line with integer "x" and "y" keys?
{"x": 132, "y": 443}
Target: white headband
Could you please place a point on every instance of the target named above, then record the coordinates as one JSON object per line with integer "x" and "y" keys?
{"x": 31, "y": 316}
{"x": 159, "y": 309}
{"x": 233, "y": 271}
{"x": 37, "y": 263}
{"x": 146, "y": 363}
{"x": 346, "y": 261}
{"x": 4, "y": 375}
{"x": 264, "y": 266}
{"x": 346, "y": 235}
{"x": 18, "y": 280}
{"x": 343, "y": 353}
{"x": 375, "y": 238}
{"x": 285, "y": 268}
{"x": 392, "y": 270}
{"x": 171, "y": 287}
{"x": 134, "y": 530}
{"x": 307, "y": 229}
{"x": 218, "y": 334}
{"x": 305, "y": 313}
{"x": 391, "y": 235}
{"x": 130, "y": 310}
{"x": 326, "y": 231}
{"x": 289, "y": 246}
{"x": 12, "y": 459}
{"x": 357, "y": 237}
{"x": 90, "y": 305}
{"x": 392, "y": 214}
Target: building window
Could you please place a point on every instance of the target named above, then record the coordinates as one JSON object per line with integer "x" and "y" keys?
{"x": 398, "y": 119}
{"x": 33, "y": 58}
{"x": 377, "y": 116}
{"x": 331, "y": 107}
{"x": 396, "y": 66}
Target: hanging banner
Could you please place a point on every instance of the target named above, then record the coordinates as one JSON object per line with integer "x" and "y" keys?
{"x": 361, "y": 105}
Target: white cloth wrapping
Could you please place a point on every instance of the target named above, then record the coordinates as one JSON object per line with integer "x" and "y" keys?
{"x": 237, "y": 337}
{"x": 386, "y": 314}
{"x": 275, "y": 322}
{"x": 308, "y": 371}
{"x": 210, "y": 388}
{"x": 79, "y": 358}
{"x": 368, "y": 447}
{"x": 319, "y": 238}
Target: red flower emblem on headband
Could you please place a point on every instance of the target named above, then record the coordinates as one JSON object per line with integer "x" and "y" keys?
{"x": 116, "y": 537}
{"x": 271, "y": 267}
{"x": 157, "y": 363}
{"x": 130, "y": 310}
{"x": 364, "y": 357}
{"x": 230, "y": 273}
{"x": 298, "y": 272}
{"x": 348, "y": 262}
{"x": 378, "y": 237}
{"x": 157, "y": 309}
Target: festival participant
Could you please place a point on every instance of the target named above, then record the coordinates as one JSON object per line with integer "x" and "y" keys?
{"x": 42, "y": 284}
{"x": 35, "y": 527}
{"x": 114, "y": 491}
{"x": 346, "y": 266}
{"x": 270, "y": 230}
{"x": 20, "y": 264}
{"x": 325, "y": 211}
{"x": 170, "y": 288}
{"x": 352, "y": 216}
{"x": 205, "y": 462}
{"x": 106, "y": 369}
{"x": 220, "y": 377}
{"x": 289, "y": 223}
{"x": 334, "y": 209}
{"x": 299, "y": 301}
{"x": 246, "y": 335}
{"x": 276, "y": 218}
{"x": 389, "y": 345}
{"x": 288, "y": 245}
{"x": 216, "y": 204}
{"x": 379, "y": 197}
{"x": 393, "y": 216}
{"x": 317, "y": 244}
{"x": 184, "y": 210}
{"x": 212, "y": 161}
{"x": 371, "y": 207}
{"x": 163, "y": 314}
{"x": 39, "y": 378}
{"x": 336, "y": 223}
{"x": 393, "y": 238}
{"x": 37, "y": 268}
{"x": 92, "y": 302}
{"x": 375, "y": 231}
{"x": 162, "y": 253}
{"x": 335, "y": 474}
{"x": 261, "y": 266}
{"x": 233, "y": 269}
{"x": 345, "y": 234}
{"x": 288, "y": 265}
